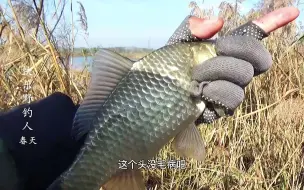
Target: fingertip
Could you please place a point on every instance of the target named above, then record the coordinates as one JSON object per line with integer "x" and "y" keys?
{"x": 205, "y": 28}
{"x": 277, "y": 18}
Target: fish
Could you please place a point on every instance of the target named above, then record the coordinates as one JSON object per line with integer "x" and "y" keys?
{"x": 134, "y": 108}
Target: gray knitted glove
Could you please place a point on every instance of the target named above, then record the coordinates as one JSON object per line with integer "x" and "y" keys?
{"x": 240, "y": 57}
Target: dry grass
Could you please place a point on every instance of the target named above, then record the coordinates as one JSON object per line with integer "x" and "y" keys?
{"x": 260, "y": 147}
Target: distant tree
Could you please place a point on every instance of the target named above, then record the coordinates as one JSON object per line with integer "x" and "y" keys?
{"x": 85, "y": 52}
{"x": 94, "y": 50}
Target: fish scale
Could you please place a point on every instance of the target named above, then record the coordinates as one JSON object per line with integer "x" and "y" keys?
{"x": 148, "y": 107}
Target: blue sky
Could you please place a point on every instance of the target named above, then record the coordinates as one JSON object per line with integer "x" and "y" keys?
{"x": 136, "y": 22}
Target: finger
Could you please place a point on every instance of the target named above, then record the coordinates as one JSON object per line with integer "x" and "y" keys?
{"x": 268, "y": 23}
{"x": 225, "y": 93}
{"x": 234, "y": 70}
{"x": 205, "y": 28}
{"x": 261, "y": 27}
{"x": 222, "y": 97}
{"x": 245, "y": 48}
{"x": 277, "y": 18}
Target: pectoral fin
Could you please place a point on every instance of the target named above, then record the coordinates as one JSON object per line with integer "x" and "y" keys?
{"x": 107, "y": 71}
{"x": 189, "y": 143}
{"x": 127, "y": 180}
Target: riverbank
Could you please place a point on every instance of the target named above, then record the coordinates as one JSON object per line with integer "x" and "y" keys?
{"x": 130, "y": 51}
{"x": 81, "y": 62}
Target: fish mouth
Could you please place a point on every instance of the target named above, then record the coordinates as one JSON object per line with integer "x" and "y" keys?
{"x": 212, "y": 112}
{"x": 212, "y": 109}
{"x": 203, "y": 51}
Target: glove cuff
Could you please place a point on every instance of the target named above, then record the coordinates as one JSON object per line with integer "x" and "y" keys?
{"x": 249, "y": 29}
{"x": 182, "y": 33}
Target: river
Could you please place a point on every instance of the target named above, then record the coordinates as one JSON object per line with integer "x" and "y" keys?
{"x": 80, "y": 62}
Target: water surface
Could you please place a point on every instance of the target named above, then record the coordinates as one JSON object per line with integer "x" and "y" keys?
{"x": 80, "y": 62}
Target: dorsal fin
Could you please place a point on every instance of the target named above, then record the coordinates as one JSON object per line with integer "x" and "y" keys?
{"x": 107, "y": 70}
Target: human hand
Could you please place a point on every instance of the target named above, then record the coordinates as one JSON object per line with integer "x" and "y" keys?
{"x": 240, "y": 57}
